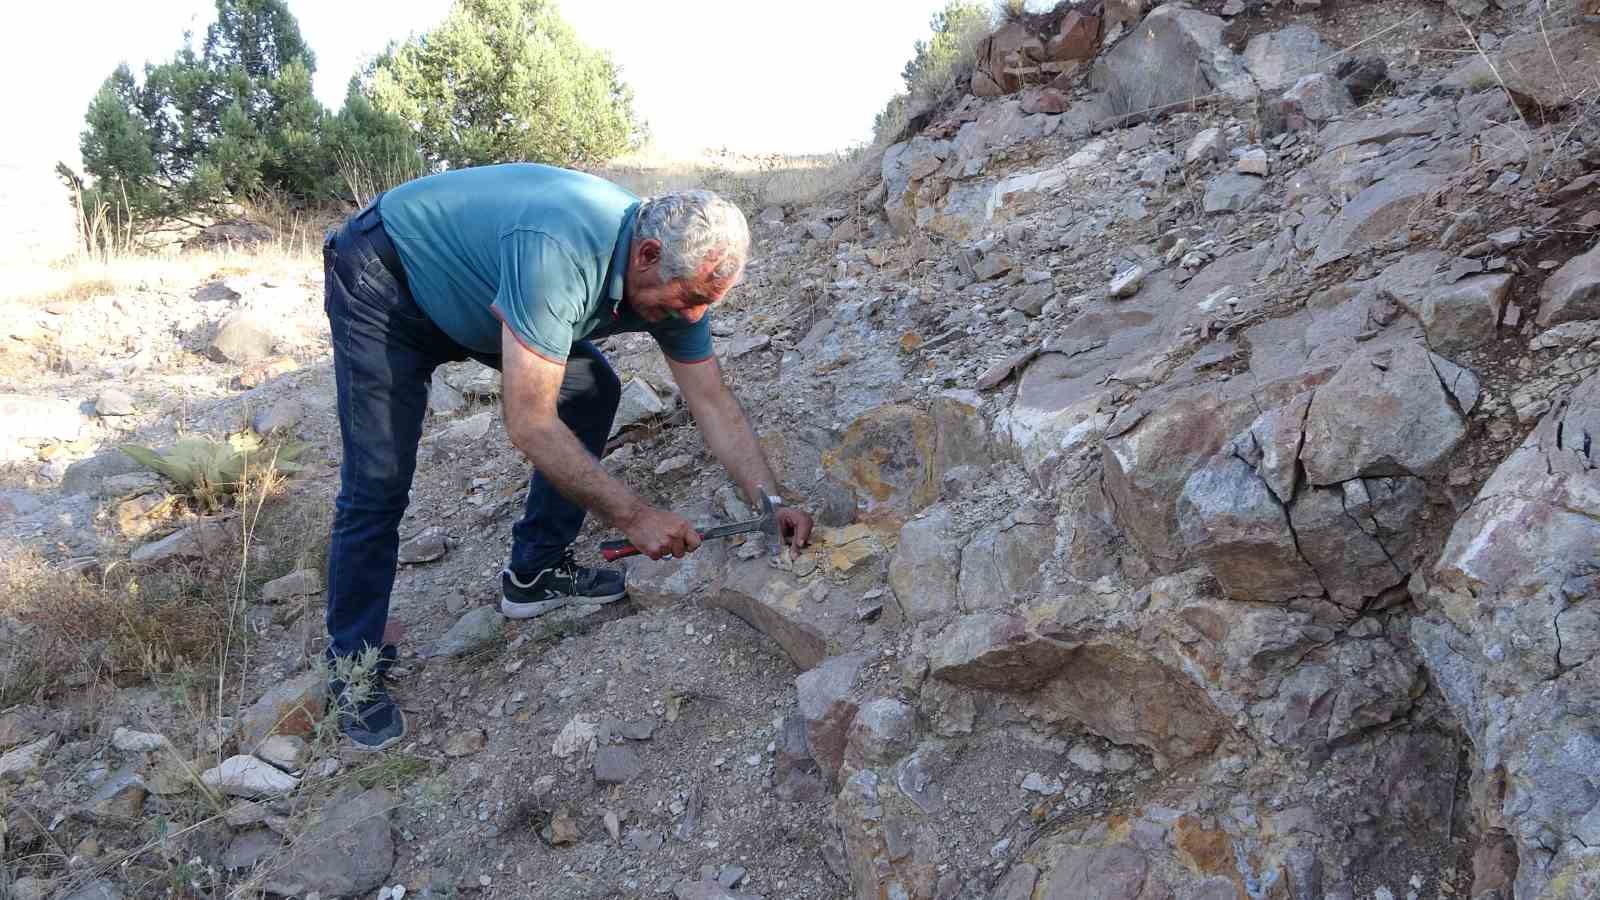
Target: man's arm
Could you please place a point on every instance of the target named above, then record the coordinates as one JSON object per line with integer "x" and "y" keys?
{"x": 728, "y": 433}
{"x": 530, "y": 386}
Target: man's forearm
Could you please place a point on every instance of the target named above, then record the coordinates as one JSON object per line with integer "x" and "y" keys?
{"x": 729, "y": 435}
{"x": 564, "y": 461}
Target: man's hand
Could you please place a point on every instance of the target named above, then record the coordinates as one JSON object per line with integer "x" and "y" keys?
{"x": 794, "y": 525}
{"x": 661, "y": 532}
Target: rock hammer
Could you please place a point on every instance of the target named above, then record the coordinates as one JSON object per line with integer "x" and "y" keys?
{"x": 766, "y": 523}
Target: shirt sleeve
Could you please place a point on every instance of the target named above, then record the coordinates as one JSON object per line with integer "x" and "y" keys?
{"x": 684, "y": 341}
{"x": 541, "y": 292}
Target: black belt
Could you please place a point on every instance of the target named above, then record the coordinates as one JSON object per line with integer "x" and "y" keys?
{"x": 369, "y": 223}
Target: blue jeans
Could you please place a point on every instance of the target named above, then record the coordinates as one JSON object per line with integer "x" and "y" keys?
{"x": 385, "y": 349}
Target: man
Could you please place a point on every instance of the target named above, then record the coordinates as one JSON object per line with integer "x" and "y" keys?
{"x": 519, "y": 267}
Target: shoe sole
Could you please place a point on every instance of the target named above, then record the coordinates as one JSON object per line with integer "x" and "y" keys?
{"x": 514, "y": 610}
{"x": 359, "y": 747}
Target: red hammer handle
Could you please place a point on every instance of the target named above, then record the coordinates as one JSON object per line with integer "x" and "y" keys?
{"x": 615, "y": 550}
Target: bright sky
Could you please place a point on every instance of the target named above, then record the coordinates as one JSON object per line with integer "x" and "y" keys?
{"x": 751, "y": 76}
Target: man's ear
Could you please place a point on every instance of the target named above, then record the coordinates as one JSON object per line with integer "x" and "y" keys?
{"x": 647, "y": 253}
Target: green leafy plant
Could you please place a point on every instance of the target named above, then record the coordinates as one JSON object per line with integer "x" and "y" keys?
{"x": 507, "y": 81}
{"x": 209, "y": 470}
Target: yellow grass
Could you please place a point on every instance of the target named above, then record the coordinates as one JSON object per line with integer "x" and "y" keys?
{"x": 754, "y": 181}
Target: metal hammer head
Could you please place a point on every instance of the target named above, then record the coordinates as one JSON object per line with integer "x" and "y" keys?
{"x": 769, "y": 516}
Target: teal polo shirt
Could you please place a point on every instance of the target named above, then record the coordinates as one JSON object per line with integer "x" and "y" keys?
{"x": 541, "y": 249}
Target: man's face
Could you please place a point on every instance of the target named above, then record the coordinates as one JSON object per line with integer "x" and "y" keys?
{"x": 683, "y": 298}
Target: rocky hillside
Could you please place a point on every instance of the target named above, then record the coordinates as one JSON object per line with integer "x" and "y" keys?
{"x": 1199, "y": 416}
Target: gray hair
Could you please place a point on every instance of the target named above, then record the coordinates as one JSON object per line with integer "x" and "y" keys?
{"x": 692, "y": 227}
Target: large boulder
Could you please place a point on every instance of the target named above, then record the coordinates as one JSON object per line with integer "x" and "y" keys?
{"x": 999, "y": 55}
{"x": 996, "y": 650}
{"x": 889, "y": 456}
{"x": 347, "y": 852}
{"x": 1376, "y": 215}
{"x": 1002, "y": 563}
{"x": 1550, "y": 67}
{"x": 1385, "y": 413}
{"x": 1278, "y": 59}
{"x": 1509, "y": 636}
{"x": 807, "y": 625}
{"x": 926, "y": 565}
{"x": 1177, "y": 58}
{"x": 1572, "y": 292}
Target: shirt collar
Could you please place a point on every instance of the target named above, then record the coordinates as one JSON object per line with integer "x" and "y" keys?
{"x": 617, "y": 279}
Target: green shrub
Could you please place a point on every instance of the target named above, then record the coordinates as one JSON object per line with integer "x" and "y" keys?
{"x": 507, "y": 80}
{"x": 233, "y": 122}
{"x": 936, "y": 64}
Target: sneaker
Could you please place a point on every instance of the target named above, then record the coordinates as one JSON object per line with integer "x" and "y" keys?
{"x": 372, "y": 720}
{"x": 563, "y": 583}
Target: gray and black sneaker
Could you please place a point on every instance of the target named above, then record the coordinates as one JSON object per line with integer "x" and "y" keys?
{"x": 368, "y": 715}
{"x": 563, "y": 583}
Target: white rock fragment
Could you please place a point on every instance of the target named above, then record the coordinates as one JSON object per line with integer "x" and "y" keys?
{"x": 1207, "y": 145}
{"x": 577, "y": 736}
{"x": 1127, "y": 283}
{"x": 1040, "y": 784}
{"x": 129, "y": 741}
{"x": 287, "y": 752}
{"x": 246, "y": 776}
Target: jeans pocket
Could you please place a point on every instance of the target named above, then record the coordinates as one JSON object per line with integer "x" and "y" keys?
{"x": 378, "y": 286}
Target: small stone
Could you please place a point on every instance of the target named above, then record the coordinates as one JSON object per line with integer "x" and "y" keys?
{"x": 251, "y": 847}
{"x": 563, "y": 829}
{"x": 1127, "y": 283}
{"x": 1086, "y": 758}
{"x": 426, "y": 547}
{"x": 1207, "y": 146}
{"x": 613, "y": 826}
{"x": 1253, "y": 161}
{"x": 730, "y": 876}
{"x": 287, "y": 752}
{"x": 674, "y": 464}
{"x": 466, "y": 743}
{"x": 278, "y": 418}
{"x": 639, "y": 730}
{"x": 645, "y": 841}
{"x": 1039, "y": 784}
{"x": 299, "y": 583}
{"x": 1507, "y": 239}
{"x": 1119, "y": 760}
{"x": 576, "y": 737}
{"x": 121, "y": 796}
{"x": 291, "y": 707}
{"x": 129, "y": 741}
{"x": 616, "y": 765}
{"x": 113, "y": 402}
{"x": 26, "y": 760}
{"x": 1232, "y": 192}
{"x": 245, "y": 813}
{"x": 993, "y": 266}
{"x": 472, "y": 632}
{"x": 639, "y": 402}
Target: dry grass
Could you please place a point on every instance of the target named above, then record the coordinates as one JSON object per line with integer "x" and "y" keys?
{"x": 85, "y": 276}
{"x": 131, "y": 622}
{"x": 753, "y": 181}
